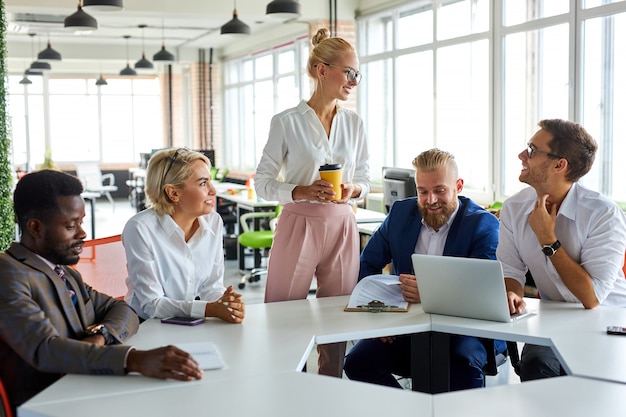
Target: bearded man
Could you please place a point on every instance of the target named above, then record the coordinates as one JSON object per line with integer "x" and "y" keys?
{"x": 437, "y": 222}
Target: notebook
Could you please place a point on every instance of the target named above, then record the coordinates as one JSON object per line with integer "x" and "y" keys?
{"x": 463, "y": 287}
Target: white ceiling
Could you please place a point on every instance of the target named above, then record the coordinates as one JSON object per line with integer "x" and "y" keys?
{"x": 187, "y": 25}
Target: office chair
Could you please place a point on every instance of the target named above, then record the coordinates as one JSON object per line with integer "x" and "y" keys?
{"x": 258, "y": 240}
{"x": 95, "y": 181}
{"x": 5, "y": 407}
{"x": 103, "y": 265}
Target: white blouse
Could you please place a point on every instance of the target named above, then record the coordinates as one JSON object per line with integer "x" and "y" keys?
{"x": 297, "y": 146}
{"x": 168, "y": 276}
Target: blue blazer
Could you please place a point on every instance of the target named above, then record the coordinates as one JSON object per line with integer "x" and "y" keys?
{"x": 473, "y": 234}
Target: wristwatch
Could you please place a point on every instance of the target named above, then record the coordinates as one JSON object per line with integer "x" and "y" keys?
{"x": 550, "y": 250}
{"x": 95, "y": 329}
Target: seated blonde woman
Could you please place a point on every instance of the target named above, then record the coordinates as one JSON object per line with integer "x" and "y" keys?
{"x": 174, "y": 249}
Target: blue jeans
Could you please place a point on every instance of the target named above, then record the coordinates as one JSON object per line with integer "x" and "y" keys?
{"x": 375, "y": 361}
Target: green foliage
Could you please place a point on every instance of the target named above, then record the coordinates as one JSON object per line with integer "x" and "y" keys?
{"x": 7, "y": 224}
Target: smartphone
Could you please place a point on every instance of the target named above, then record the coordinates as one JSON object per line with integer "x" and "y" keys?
{"x": 618, "y": 330}
{"x": 185, "y": 321}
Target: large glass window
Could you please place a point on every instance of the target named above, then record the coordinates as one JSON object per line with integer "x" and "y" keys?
{"x": 429, "y": 92}
{"x": 256, "y": 88}
{"x": 491, "y": 71}
{"x": 77, "y": 121}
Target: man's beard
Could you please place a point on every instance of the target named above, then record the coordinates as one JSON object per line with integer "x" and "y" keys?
{"x": 437, "y": 220}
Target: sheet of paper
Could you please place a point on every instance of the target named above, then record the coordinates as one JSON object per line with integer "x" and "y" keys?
{"x": 205, "y": 353}
{"x": 381, "y": 287}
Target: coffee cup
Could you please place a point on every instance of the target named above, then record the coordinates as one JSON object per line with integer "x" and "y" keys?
{"x": 332, "y": 174}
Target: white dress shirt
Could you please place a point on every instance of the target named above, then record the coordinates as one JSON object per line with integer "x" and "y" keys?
{"x": 591, "y": 229}
{"x": 165, "y": 273}
{"x": 297, "y": 146}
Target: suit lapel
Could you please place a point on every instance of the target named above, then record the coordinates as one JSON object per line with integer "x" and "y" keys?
{"x": 28, "y": 258}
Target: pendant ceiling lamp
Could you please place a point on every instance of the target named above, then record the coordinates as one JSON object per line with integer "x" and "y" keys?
{"x": 80, "y": 21}
{"x": 49, "y": 54}
{"x": 25, "y": 80}
{"x": 235, "y": 26}
{"x": 143, "y": 63}
{"x": 283, "y": 9}
{"x": 128, "y": 71}
{"x": 38, "y": 66}
{"x": 101, "y": 81}
{"x": 103, "y": 5}
{"x": 163, "y": 54}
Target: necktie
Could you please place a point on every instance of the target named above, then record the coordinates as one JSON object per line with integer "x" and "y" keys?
{"x": 61, "y": 274}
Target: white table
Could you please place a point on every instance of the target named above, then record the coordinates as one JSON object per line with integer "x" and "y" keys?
{"x": 264, "y": 356}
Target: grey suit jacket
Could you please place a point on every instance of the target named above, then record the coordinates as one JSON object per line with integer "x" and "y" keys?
{"x": 41, "y": 329}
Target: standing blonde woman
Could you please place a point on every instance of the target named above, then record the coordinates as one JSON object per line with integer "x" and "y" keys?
{"x": 174, "y": 249}
{"x": 317, "y": 236}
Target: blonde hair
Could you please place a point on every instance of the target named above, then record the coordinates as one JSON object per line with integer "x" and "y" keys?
{"x": 434, "y": 159}
{"x": 325, "y": 50}
{"x": 169, "y": 167}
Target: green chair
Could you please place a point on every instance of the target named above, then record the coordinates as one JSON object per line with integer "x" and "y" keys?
{"x": 257, "y": 240}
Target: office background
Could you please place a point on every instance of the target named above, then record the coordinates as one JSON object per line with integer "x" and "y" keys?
{"x": 470, "y": 76}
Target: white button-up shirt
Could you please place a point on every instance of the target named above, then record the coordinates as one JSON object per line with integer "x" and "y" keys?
{"x": 165, "y": 273}
{"x": 298, "y": 146}
{"x": 591, "y": 229}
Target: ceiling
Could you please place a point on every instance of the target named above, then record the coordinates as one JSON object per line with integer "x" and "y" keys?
{"x": 184, "y": 25}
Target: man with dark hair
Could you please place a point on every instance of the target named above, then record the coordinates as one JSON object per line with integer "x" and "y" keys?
{"x": 52, "y": 322}
{"x": 571, "y": 239}
{"x": 437, "y": 222}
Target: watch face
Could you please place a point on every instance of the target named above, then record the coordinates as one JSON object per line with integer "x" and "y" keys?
{"x": 548, "y": 250}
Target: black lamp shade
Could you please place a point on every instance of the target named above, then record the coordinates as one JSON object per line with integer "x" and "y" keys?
{"x": 25, "y": 80}
{"x": 283, "y": 9}
{"x": 143, "y": 63}
{"x": 163, "y": 55}
{"x": 235, "y": 27}
{"x": 31, "y": 71}
{"x": 49, "y": 54}
{"x": 128, "y": 71}
{"x": 40, "y": 66}
{"x": 103, "y": 5}
{"x": 101, "y": 81}
{"x": 80, "y": 21}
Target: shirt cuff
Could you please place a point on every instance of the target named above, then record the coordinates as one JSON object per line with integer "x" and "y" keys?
{"x": 126, "y": 358}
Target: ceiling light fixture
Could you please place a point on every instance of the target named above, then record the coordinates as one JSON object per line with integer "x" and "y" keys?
{"x": 143, "y": 63}
{"x": 38, "y": 66}
{"x": 25, "y": 80}
{"x": 101, "y": 81}
{"x": 49, "y": 54}
{"x": 235, "y": 26}
{"x": 103, "y": 5}
{"x": 283, "y": 9}
{"x": 128, "y": 71}
{"x": 80, "y": 21}
{"x": 163, "y": 55}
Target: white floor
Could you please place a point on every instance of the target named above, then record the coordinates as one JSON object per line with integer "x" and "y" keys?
{"x": 111, "y": 220}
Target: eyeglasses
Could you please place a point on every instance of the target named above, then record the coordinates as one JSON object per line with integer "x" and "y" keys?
{"x": 351, "y": 75}
{"x": 531, "y": 151}
{"x": 169, "y": 166}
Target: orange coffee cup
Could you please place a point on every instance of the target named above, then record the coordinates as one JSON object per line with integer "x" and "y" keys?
{"x": 332, "y": 174}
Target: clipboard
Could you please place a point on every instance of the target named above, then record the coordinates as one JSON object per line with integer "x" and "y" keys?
{"x": 378, "y": 293}
{"x": 376, "y": 306}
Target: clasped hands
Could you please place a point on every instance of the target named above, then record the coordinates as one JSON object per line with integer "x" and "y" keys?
{"x": 229, "y": 307}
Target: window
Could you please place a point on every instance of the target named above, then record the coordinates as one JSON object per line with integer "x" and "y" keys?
{"x": 256, "y": 88}
{"x": 77, "y": 121}
{"x": 475, "y": 77}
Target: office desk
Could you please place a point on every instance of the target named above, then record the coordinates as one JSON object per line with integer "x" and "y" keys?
{"x": 265, "y": 354}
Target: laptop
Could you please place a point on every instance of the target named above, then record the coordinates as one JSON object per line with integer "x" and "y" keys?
{"x": 463, "y": 287}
